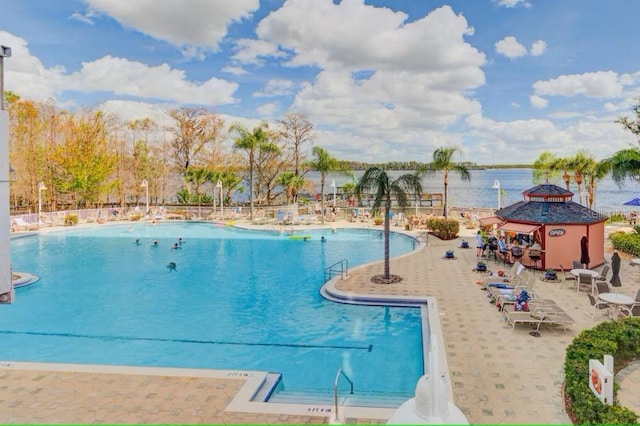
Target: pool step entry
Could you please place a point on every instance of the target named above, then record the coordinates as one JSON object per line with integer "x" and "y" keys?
{"x": 269, "y": 385}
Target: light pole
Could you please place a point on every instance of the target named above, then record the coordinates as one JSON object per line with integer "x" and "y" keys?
{"x": 7, "y": 294}
{"x": 496, "y": 185}
{"x": 333, "y": 185}
{"x": 219, "y": 186}
{"x": 41, "y": 188}
{"x": 145, "y": 185}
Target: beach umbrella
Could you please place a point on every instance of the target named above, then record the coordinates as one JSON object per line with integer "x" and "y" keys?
{"x": 634, "y": 202}
{"x": 584, "y": 251}
{"x": 615, "y": 268}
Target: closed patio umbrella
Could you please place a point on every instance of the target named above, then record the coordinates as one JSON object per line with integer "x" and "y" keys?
{"x": 615, "y": 269}
{"x": 584, "y": 251}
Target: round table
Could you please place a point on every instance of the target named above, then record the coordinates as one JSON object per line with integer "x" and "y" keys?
{"x": 577, "y": 272}
{"x": 617, "y": 300}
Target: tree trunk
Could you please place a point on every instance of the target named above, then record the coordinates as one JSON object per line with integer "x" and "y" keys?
{"x": 387, "y": 269}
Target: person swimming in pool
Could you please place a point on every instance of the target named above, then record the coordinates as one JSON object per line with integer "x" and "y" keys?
{"x": 175, "y": 246}
{"x": 171, "y": 266}
{"x": 155, "y": 244}
{"x": 181, "y": 241}
{"x": 323, "y": 239}
{"x": 137, "y": 241}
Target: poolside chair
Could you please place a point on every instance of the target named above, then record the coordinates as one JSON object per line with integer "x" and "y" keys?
{"x": 513, "y": 275}
{"x": 638, "y": 296}
{"x": 602, "y": 287}
{"x": 577, "y": 264}
{"x": 603, "y": 273}
{"x": 596, "y": 305}
{"x": 585, "y": 281}
{"x": 630, "y": 311}
{"x": 19, "y": 224}
{"x": 568, "y": 278}
{"x": 546, "y": 313}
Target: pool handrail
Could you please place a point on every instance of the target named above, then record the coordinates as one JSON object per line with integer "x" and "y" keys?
{"x": 335, "y": 391}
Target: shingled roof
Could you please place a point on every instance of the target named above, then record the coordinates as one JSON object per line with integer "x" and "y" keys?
{"x": 552, "y": 205}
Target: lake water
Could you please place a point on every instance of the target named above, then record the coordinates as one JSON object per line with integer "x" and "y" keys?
{"x": 479, "y": 191}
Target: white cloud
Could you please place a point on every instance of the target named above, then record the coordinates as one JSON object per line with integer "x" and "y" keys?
{"x": 234, "y": 70}
{"x": 366, "y": 37}
{"x": 26, "y": 75}
{"x": 268, "y": 110}
{"x": 538, "y": 47}
{"x": 538, "y": 102}
{"x": 601, "y": 84}
{"x": 183, "y": 23}
{"x": 510, "y": 47}
{"x": 512, "y": 3}
{"x": 124, "y": 77}
{"x": 254, "y": 52}
{"x": 276, "y": 87}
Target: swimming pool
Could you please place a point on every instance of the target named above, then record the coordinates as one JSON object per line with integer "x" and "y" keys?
{"x": 238, "y": 300}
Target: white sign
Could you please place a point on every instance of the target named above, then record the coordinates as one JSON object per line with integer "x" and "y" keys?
{"x": 601, "y": 379}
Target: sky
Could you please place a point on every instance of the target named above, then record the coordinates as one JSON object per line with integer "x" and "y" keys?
{"x": 380, "y": 80}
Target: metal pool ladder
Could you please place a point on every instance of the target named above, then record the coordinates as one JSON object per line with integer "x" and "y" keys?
{"x": 339, "y": 268}
{"x": 336, "y": 418}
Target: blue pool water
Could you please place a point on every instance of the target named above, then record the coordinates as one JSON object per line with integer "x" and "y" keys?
{"x": 239, "y": 300}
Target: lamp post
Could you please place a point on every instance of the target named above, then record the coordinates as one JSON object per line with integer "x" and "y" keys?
{"x": 7, "y": 294}
{"x": 219, "y": 186}
{"x": 496, "y": 185}
{"x": 41, "y": 188}
{"x": 333, "y": 185}
{"x": 145, "y": 185}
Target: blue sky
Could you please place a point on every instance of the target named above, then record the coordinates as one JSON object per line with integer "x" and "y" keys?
{"x": 380, "y": 80}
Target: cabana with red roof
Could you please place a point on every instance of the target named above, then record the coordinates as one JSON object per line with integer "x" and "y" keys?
{"x": 548, "y": 216}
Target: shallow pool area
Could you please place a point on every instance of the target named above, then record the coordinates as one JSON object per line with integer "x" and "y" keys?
{"x": 237, "y": 299}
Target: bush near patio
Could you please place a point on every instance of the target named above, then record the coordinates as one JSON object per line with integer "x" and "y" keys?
{"x": 619, "y": 339}
{"x": 71, "y": 219}
{"x": 626, "y": 242}
{"x": 445, "y": 229}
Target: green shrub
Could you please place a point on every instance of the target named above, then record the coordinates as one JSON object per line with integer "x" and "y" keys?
{"x": 445, "y": 229}
{"x": 71, "y": 219}
{"x": 617, "y": 338}
{"x": 626, "y": 242}
{"x": 616, "y": 217}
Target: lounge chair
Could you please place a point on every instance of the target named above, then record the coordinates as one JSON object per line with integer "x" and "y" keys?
{"x": 19, "y": 224}
{"x": 513, "y": 275}
{"x": 577, "y": 264}
{"x": 545, "y": 313}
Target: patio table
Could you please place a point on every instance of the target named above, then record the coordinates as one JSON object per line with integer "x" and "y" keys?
{"x": 616, "y": 300}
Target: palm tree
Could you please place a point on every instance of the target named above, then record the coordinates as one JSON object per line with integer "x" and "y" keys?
{"x": 595, "y": 172}
{"x": 324, "y": 163}
{"x": 442, "y": 160}
{"x": 251, "y": 142}
{"x": 377, "y": 180}
{"x": 625, "y": 165}
{"x": 291, "y": 182}
{"x": 579, "y": 165}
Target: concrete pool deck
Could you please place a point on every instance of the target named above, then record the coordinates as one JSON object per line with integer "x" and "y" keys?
{"x": 498, "y": 375}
